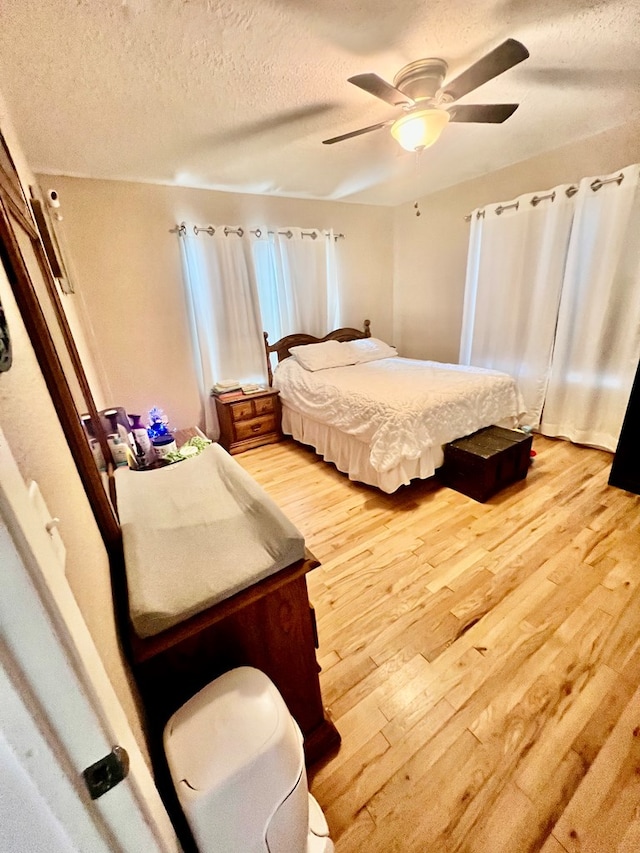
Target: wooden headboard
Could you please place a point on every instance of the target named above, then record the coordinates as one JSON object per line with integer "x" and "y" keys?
{"x": 282, "y": 347}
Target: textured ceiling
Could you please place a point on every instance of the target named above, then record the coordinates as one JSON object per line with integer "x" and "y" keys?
{"x": 239, "y": 95}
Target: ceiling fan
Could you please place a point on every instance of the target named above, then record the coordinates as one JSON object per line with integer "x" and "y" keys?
{"x": 429, "y": 105}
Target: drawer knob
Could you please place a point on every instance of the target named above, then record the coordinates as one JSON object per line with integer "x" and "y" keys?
{"x": 255, "y": 428}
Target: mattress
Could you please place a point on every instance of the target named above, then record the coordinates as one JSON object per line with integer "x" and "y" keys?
{"x": 394, "y": 414}
{"x": 195, "y": 533}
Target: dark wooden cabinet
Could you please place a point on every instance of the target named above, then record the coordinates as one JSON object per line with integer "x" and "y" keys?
{"x": 625, "y": 470}
{"x": 249, "y": 421}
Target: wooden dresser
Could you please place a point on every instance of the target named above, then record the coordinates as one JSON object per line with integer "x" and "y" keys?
{"x": 271, "y": 626}
{"x": 248, "y": 421}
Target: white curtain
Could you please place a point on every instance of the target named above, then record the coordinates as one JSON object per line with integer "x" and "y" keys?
{"x": 514, "y": 279}
{"x": 240, "y": 284}
{"x": 598, "y": 335}
{"x": 297, "y": 280}
{"x": 223, "y": 306}
{"x": 553, "y": 298}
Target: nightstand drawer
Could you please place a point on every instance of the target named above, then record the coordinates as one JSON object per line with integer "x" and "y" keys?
{"x": 242, "y": 411}
{"x": 256, "y": 426}
{"x": 264, "y": 405}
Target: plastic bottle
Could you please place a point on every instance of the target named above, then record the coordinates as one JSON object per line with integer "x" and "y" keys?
{"x": 118, "y": 449}
{"x": 143, "y": 446}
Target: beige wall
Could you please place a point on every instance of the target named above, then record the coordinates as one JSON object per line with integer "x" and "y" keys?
{"x": 33, "y": 432}
{"x": 431, "y": 250}
{"x": 127, "y": 267}
{"x": 406, "y": 273}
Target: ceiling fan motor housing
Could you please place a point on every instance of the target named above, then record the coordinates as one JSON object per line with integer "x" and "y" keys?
{"x": 421, "y": 80}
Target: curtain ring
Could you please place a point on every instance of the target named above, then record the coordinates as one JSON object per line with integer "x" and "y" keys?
{"x": 535, "y": 201}
{"x": 599, "y": 182}
{"x": 502, "y": 207}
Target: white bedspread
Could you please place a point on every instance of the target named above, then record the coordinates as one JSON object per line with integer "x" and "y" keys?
{"x": 195, "y": 533}
{"x": 400, "y": 406}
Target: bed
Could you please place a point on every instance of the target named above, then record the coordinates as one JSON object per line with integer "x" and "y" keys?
{"x": 381, "y": 419}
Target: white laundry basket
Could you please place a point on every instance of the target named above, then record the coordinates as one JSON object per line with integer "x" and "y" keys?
{"x": 236, "y": 760}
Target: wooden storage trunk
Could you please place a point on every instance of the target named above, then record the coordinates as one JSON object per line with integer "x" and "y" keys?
{"x": 481, "y": 464}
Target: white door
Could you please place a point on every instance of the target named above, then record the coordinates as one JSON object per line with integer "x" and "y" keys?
{"x": 58, "y": 711}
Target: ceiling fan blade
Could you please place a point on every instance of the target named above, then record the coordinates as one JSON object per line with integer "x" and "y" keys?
{"x": 358, "y": 132}
{"x": 488, "y": 113}
{"x": 379, "y": 88}
{"x": 270, "y": 124}
{"x": 500, "y": 59}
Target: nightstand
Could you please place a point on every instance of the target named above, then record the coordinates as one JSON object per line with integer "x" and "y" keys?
{"x": 249, "y": 421}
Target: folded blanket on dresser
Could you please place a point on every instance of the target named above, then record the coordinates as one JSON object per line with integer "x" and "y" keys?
{"x": 195, "y": 533}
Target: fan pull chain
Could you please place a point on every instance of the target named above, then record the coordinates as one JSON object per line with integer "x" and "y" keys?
{"x": 417, "y": 165}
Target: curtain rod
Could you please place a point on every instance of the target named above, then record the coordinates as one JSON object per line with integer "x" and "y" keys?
{"x": 570, "y": 191}
{"x": 210, "y": 230}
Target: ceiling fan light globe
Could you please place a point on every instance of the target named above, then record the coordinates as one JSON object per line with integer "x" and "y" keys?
{"x": 419, "y": 129}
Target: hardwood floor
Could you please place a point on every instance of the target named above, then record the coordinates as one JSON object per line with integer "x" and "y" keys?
{"x": 481, "y": 661}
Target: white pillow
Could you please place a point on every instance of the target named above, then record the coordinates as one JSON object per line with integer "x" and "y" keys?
{"x": 370, "y": 349}
{"x": 324, "y": 355}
